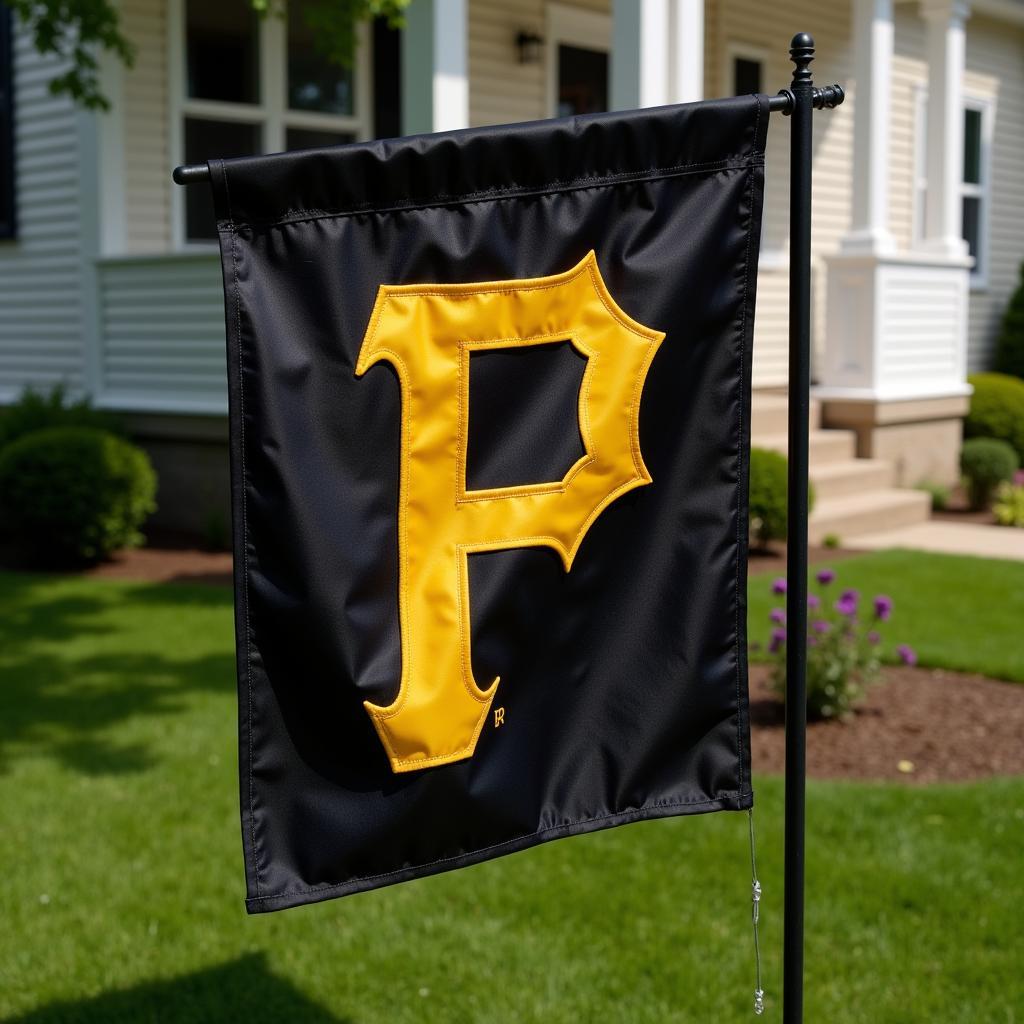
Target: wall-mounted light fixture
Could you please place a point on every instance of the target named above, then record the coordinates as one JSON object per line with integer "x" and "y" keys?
{"x": 529, "y": 46}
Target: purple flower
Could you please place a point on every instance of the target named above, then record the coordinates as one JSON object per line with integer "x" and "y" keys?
{"x": 813, "y": 601}
{"x": 778, "y": 615}
{"x": 883, "y": 607}
{"x": 825, "y": 577}
{"x": 847, "y": 604}
{"x": 779, "y": 585}
{"x": 1018, "y": 478}
{"x": 821, "y": 626}
{"x": 907, "y": 654}
{"x": 778, "y": 639}
{"x": 874, "y": 638}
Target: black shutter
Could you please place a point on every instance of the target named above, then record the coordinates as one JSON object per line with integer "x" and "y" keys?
{"x": 7, "y": 225}
{"x": 387, "y": 80}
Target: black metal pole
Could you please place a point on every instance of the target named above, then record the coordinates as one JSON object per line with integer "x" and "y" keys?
{"x": 801, "y": 53}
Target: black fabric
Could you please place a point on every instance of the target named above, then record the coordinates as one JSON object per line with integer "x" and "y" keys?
{"x": 624, "y": 680}
{"x": 523, "y": 419}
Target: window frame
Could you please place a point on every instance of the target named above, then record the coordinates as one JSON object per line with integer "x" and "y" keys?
{"x": 574, "y": 26}
{"x": 8, "y": 193}
{"x": 736, "y": 48}
{"x": 272, "y": 114}
{"x": 982, "y": 191}
{"x": 979, "y": 275}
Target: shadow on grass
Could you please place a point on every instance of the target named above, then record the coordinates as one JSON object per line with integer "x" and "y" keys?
{"x": 241, "y": 990}
{"x": 65, "y": 705}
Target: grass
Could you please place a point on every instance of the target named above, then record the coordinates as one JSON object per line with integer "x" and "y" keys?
{"x": 957, "y": 612}
{"x": 122, "y": 895}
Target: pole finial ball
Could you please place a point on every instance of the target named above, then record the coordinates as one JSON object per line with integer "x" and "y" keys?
{"x": 802, "y": 41}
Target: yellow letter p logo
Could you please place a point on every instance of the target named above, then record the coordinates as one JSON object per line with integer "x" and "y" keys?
{"x": 427, "y": 333}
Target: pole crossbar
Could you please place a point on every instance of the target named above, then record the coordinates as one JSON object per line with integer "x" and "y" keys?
{"x": 830, "y": 96}
{"x": 799, "y": 102}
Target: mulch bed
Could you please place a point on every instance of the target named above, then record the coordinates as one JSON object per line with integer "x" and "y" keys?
{"x": 958, "y": 510}
{"x": 942, "y": 726}
{"x": 167, "y": 565}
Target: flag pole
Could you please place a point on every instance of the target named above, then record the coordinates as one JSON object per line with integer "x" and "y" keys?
{"x": 804, "y": 99}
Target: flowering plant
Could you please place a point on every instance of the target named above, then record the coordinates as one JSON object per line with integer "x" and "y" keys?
{"x": 844, "y": 646}
{"x": 1009, "y": 506}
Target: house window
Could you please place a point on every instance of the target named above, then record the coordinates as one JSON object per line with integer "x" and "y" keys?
{"x": 578, "y": 60}
{"x": 747, "y": 75}
{"x": 259, "y": 85}
{"x": 974, "y": 183}
{"x": 974, "y": 186}
{"x": 7, "y": 226}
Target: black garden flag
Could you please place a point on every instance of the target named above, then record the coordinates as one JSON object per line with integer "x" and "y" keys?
{"x": 489, "y": 433}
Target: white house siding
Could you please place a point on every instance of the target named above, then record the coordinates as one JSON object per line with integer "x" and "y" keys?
{"x": 145, "y": 109}
{"x": 501, "y": 90}
{"x": 995, "y": 74}
{"x": 40, "y": 272}
{"x": 995, "y": 68}
{"x": 758, "y": 25}
{"x": 909, "y": 81}
{"x": 162, "y": 325}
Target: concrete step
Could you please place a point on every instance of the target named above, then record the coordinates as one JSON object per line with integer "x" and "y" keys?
{"x": 769, "y": 414}
{"x": 856, "y": 476}
{"x": 872, "y": 512}
{"x": 825, "y": 445}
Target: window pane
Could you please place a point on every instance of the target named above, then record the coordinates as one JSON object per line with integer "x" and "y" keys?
{"x": 315, "y": 138}
{"x": 746, "y": 76}
{"x": 205, "y": 140}
{"x": 222, "y": 43}
{"x": 314, "y": 83}
{"x": 972, "y": 227}
{"x": 972, "y": 147}
{"x": 582, "y": 80}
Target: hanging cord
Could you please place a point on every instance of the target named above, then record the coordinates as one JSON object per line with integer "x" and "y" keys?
{"x": 755, "y": 913}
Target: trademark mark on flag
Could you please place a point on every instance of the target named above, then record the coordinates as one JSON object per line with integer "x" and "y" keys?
{"x": 499, "y": 717}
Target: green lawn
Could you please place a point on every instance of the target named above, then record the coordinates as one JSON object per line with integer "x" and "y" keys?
{"x": 122, "y": 896}
{"x": 956, "y": 612}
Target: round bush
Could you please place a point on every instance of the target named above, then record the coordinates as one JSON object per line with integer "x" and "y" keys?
{"x": 1009, "y": 357}
{"x": 997, "y": 409}
{"x": 986, "y": 463}
{"x": 768, "y": 495}
{"x": 36, "y": 410}
{"x": 74, "y": 494}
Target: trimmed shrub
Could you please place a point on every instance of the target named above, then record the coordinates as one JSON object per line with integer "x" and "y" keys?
{"x": 939, "y": 493}
{"x": 997, "y": 409}
{"x": 986, "y": 463}
{"x": 1009, "y": 357}
{"x": 72, "y": 495}
{"x": 768, "y": 496}
{"x": 37, "y": 410}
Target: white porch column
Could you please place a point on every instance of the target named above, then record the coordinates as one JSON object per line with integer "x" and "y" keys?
{"x": 944, "y": 132}
{"x": 657, "y": 52}
{"x": 435, "y": 67}
{"x": 686, "y": 60}
{"x": 640, "y": 53}
{"x": 872, "y": 56}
